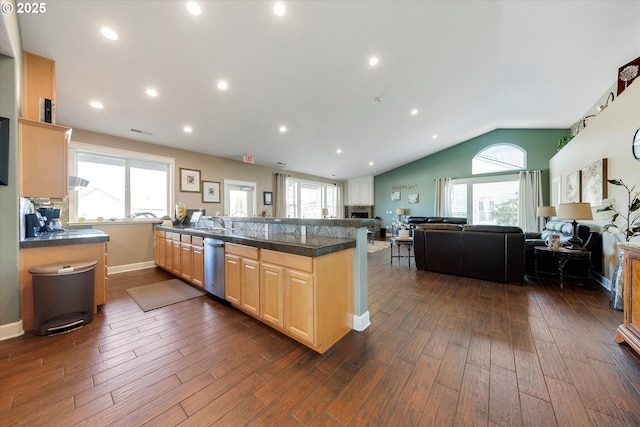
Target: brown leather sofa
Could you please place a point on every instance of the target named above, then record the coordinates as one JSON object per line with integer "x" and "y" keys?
{"x": 487, "y": 252}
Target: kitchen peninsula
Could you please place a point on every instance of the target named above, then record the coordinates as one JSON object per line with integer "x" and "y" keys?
{"x": 61, "y": 247}
{"x": 305, "y": 278}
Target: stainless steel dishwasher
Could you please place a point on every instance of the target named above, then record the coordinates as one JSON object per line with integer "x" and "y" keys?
{"x": 214, "y": 267}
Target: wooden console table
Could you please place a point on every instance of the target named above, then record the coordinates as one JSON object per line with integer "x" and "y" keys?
{"x": 630, "y": 331}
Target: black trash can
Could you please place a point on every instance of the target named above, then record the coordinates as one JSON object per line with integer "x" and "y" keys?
{"x": 63, "y": 296}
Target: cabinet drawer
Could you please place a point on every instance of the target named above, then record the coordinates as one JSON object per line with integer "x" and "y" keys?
{"x": 172, "y": 236}
{"x": 185, "y": 238}
{"x": 160, "y": 233}
{"x": 197, "y": 241}
{"x": 296, "y": 262}
{"x": 241, "y": 250}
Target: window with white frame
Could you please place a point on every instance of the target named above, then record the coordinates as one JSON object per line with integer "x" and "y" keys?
{"x": 306, "y": 199}
{"x": 499, "y": 158}
{"x": 122, "y": 184}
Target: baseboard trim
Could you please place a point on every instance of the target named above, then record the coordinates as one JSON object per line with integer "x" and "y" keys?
{"x": 11, "y": 330}
{"x": 362, "y": 322}
{"x": 130, "y": 267}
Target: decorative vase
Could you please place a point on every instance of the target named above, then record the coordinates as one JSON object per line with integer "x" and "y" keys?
{"x": 616, "y": 300}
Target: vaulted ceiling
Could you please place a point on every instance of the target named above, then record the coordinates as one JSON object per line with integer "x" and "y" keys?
{"x": 465, "y": 67}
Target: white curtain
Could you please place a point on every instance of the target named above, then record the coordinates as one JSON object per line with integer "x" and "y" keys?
{"x": 443, "y": 197}
{"x": 530, "y": 199}
{"x": 281, "y": 195}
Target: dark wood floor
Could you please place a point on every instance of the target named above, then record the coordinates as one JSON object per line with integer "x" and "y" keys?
{"x": 441, "y": 351}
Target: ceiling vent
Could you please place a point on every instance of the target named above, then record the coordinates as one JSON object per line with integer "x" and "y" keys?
{"x": 141, "y": 131}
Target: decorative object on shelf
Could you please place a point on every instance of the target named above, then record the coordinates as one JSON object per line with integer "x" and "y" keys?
{"x": 564, "y": 140}
{"x": 573, "y": 187}
{"x": 325, "y": 212}
{"x": 546, "y": 212}
{"x": 574, "y": 212}
{"x": 610, "y": 98}
{"x": 210, "y": 192}
{"x": 630, "y": 228}
{"x": 592, "y": 182}
{"x": 635, "y": 145}
{"x": 627, "y": 74}
{"x": 267, "y": 198}
{"x": 189, "y": 180}
{"x": 413, "y": 198}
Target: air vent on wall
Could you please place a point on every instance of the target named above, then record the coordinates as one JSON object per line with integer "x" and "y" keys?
{"x": 141, "y": 131}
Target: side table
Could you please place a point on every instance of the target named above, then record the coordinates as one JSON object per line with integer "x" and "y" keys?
{"x": 561, "y": 256}
{"x": 399, "y": 242}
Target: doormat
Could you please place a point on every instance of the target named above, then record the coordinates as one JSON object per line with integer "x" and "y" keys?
{"x": 377, "y": 246}
{"x": 162, "y": 294}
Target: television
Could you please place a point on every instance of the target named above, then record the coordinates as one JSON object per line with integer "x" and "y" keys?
{"x": 4, "y": 151}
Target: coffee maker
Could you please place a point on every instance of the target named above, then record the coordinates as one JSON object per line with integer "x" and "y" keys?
{"x": 33, "y": 224}
{"x": 51, "y": 217}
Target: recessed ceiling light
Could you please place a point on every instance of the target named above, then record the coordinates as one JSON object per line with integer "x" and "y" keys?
{"x": 96, "y": 104}
{"x": 222, "y": 85}
{"x": 109, "y": 33}
{"x": 283, "y": 129}
{"x": 152, "y": 92}
{"x": 194, "y": 8}
{"x": 370, "y": 163}
{"x": 339, "y": 150}
{"x": 434, "y": 136}
{"x": 414, "y": 112}
{"x": 279, "y": 9}
{"x": 373, "y": 61}
{"x": 187, "y": 129}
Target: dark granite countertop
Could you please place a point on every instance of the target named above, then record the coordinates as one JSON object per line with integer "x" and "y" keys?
{"x": 311, "y": 246}
{"x": 69, "y": 237}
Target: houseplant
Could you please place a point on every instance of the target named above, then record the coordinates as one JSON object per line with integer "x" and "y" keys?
{"x": 629, "y": 228}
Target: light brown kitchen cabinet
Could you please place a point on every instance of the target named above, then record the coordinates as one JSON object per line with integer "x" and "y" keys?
{"x": 197, "y": 270}
{"x": 244, "y": 278}
{"x": 272, "y": 294}
{"x": 33, "y": 257}
{"x": 186, "y": 257}
{"x": 39, "y": 82}
{"x": 159, "y": 249}
{"x": 309, "y": 299}
{"x": 629, "y": 331}
{"x": 42, "y": 154}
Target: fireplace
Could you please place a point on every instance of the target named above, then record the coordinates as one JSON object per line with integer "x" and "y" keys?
{"x": 359, "y": 215}
{"x": 360, "y": 212}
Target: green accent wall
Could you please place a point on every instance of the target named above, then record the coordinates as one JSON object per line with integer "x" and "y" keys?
{"x": 455, "y": 162}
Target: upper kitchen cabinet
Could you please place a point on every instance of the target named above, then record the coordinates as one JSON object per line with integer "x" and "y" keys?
{"x": 39, "y": 82}
{"x": 42, "y": 153}
{"x": 360, "y": 191}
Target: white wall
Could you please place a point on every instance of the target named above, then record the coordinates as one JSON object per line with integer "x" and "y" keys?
{"x": 608, "y": 135}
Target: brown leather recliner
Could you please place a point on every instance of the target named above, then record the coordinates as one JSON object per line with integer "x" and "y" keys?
{"x": 487, "y": 252}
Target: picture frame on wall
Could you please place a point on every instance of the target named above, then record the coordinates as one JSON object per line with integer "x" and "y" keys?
{"x": 593, "y": 182}
{"x": 189, "y": 180}
{"x": 210, "y": 192}
{"x": 555, "y": 191}
{"x": 573, "y": 187}
{"x": 267, "y": 198}
{"x": 395, "y": 196}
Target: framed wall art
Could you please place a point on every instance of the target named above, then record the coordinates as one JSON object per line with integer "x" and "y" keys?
{"x": 555, "y": 191}
{"x": 395, "y": 196}
{"x": 189, "y": 180}
{"x": 573, "y": 187}
{"x": 413, "y": 198}
{"x": 267, "y": 198}
{"x": 594, "y": 182}
{"x": 210, "y": 192}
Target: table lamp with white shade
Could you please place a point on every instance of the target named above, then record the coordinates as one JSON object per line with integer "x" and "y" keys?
{"x": 546, "y": 212}
{"x": 574, "y": 212}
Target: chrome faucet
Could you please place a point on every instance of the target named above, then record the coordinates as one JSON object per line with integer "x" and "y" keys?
{"x": 218, "y": 220}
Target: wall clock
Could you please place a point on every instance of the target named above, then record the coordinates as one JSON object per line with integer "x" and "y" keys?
{"x": 636, "y": 145}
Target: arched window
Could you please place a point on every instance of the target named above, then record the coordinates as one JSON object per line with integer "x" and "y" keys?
{"x": 499, "y": 158}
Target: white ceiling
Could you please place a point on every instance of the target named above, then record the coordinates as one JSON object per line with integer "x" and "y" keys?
{"x": 468, "y": 67}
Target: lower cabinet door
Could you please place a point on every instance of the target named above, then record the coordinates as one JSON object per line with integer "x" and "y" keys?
{"x": 299, "y": 310}
{"x": 186, "y": 262}
{"x": 197, "y": 273}
{"x": 232, "y": 278}
{"x": 250, "y": 287}
{"x": 272, "y": 294}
